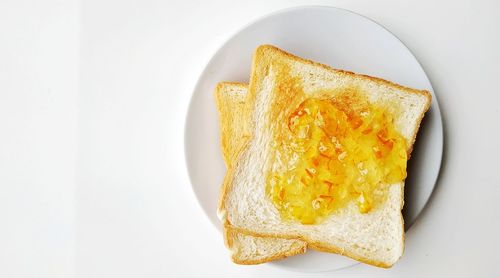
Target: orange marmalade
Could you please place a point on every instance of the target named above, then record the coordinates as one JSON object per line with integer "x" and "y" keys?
{"x": 335, "y": 151}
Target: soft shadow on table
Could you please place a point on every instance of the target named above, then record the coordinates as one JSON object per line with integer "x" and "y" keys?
{"x": 409, "y": 210}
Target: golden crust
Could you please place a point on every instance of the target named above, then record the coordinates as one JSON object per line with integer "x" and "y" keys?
{"x": 257, "y": 73}
{"x": 230, "y": 102}
{"x": 328, "y": 68}
{"x": 222, "y": 85}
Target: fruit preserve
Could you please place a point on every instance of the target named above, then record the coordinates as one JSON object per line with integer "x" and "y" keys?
{"x": 335, "y": 151}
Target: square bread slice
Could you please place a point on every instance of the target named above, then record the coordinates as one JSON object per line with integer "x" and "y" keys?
{"x": 245, "y": 249}
{"x": 376, "y": 237}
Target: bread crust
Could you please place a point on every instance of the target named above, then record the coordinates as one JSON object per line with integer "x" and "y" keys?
{"x": 257, "y": 74}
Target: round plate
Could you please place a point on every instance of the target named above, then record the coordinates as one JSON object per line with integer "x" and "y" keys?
{"x": 332, "y": 36}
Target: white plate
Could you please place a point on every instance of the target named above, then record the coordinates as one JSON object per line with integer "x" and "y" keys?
{"x": 334, "y": 37}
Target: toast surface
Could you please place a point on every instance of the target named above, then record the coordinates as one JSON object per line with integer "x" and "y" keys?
{"x": 245, "y": 249}
{"x": 376, "y": 237}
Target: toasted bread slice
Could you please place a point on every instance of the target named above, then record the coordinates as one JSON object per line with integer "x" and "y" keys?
{"x": 245, "y": 249}
{"x": 376, "y": 237}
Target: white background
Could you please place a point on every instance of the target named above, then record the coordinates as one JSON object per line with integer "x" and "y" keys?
{"x": 93, "y": 96}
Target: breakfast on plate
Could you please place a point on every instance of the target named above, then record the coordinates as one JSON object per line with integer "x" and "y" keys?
{"x": 316, "y": 158}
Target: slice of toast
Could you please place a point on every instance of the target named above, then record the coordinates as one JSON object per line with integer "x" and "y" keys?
{"x": 245, "y": 249}
{"x": 376, "y": 237}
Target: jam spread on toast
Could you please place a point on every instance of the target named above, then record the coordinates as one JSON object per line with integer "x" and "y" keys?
{"x": 334, "y": 151}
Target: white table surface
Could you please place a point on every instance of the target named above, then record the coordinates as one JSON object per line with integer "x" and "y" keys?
{"x": 93, "y": 96}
